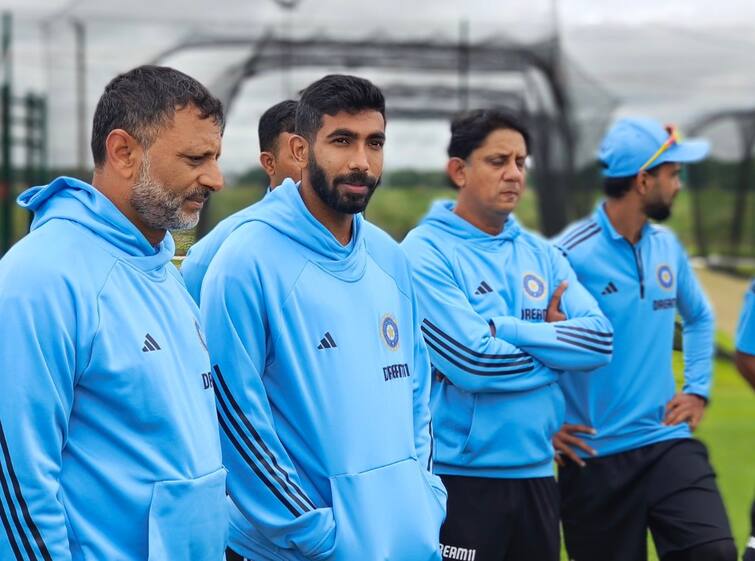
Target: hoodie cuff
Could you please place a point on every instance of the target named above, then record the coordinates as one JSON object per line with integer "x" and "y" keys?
{"x": 699, "y": 391}
{"x": 506, "y": 329}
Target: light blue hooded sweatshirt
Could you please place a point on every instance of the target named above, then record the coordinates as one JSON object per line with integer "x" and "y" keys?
{"x": 323, "y": 381}
{"x": 199, "y": 256}
{"x": 497, "y": 404}
{"x": 108, "y": 428}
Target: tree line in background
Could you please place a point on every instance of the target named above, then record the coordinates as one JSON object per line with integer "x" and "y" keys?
{"x": 707, "y": 211}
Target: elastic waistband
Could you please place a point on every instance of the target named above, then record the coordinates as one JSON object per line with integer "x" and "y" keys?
{"x": 545, "y": 469}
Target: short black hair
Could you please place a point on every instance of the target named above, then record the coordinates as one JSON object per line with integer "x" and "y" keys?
{"x": 278, "y": 119}
{"x": 332, "y": 94}
{"x": 617, "y": 187}
{"x": 143, "y": 100}
{"x": 469, "y": 129}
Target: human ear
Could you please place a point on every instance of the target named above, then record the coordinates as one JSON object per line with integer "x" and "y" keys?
{"x": 299, "y": 150}
{"x": 456, "y": 170}
{"x": 267, "y": 161}
{"x": 124, "y": 153}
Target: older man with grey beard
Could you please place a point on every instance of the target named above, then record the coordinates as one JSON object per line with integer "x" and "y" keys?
{"x": 108, "y": 429}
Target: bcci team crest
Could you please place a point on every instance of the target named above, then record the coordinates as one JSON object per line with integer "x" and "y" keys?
{"x": 389, "y": 331}
{"x": 534, "y": 286}
{"x": 665, "y": 277}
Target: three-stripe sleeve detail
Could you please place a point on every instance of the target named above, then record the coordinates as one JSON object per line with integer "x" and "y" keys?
{"x": 457, "y": 353}
{"x": 580, "y": 235}
{"x": 292, "y": 495}
{"x": 596, "y": 341}
{"x": 8, "y": 482}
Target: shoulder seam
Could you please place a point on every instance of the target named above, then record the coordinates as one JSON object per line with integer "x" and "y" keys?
{"x": 99, "y": 318}
{"x": 391, "y": 276}
{"x": 305, "y": 263}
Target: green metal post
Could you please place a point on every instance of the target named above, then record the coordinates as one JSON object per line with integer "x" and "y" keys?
{"x": 30, "y": 117}
{"x": 6, "y": 192}
{"x": 43, "y": 154}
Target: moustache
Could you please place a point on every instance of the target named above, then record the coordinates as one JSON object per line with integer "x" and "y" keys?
{"x": 357, "y": 178}
{"x": 199, "y": 195}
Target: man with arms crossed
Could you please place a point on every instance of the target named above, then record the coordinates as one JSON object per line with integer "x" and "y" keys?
{"x": 745, "y": 360}
{"x": 636, "y": 466}
{"x": 275, "y": 130}
{"x": 108, "y": 427}
{"x": 321, "y": 375}
{"x": 489, "y": 294}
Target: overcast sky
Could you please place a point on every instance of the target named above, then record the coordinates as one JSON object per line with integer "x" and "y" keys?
{"x": 674, "y": 60}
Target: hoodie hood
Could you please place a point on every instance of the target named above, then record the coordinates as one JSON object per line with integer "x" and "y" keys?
{"x": 70, "y": 199}
{"x": 442, "y": 216}
{"x": 284, "y": 210}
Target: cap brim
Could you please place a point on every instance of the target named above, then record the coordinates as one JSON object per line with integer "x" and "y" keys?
{"x": 686, "y": 152}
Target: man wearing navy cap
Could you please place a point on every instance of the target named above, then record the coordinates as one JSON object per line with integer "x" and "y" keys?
{"x": 629, "y": 461}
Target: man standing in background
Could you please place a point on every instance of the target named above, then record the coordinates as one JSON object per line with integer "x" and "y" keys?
{"x": 275, "y": 129}
{"x": 502, "y": 314}
{"x": 637, "y": 466}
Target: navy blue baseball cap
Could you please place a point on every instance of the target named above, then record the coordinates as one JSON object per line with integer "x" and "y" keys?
{"x": 632, "y": 145}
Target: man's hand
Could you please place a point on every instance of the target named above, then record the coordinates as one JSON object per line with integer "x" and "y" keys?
{"x": 554, "y": 312}
{"x": 564, "y": 440}
{"x": 685, "y": 407}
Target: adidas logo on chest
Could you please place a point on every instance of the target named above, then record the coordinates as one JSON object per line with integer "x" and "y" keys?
{"x": 484, "y": 288}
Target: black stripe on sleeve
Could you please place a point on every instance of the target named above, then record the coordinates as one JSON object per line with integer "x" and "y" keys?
{"x": 6, "y": 522}
{"x": 266, "y": 479}
{"x": 607, "y": 343}
{"x": 584, "y": 330}
{"x": 584, "y": 346}
{"x": 472, "y": 352}
{"x": 24, "y": 507}
{"x": 473, "y": 371}
{"x": 578, "y": 232}
{"x": 438, "y": 341}
{"x": 587, "y": 236}
{"x": 255, "y": 469}
{"x": 263, "y": 445}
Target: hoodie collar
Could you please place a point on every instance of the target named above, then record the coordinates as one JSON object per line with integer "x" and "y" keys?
{"x": 70, "y": 199}
{"x": 442, "y": 216}
{"x": 284, "y": 210}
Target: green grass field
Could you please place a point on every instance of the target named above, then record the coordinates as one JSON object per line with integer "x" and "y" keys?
{"x": 729, "y": 432}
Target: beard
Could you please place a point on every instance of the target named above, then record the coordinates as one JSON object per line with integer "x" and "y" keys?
{"x": 160, "y": 207}
{"x": 658, "y": 211}
{"x": 334, "y": 197}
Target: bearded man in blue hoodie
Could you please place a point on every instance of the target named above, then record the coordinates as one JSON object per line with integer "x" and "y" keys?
{"x": 502, "y": 314}
{"x": 639, "y": 470}
{"x": 108, "y": 427}
{"x": 321, "y": 375}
